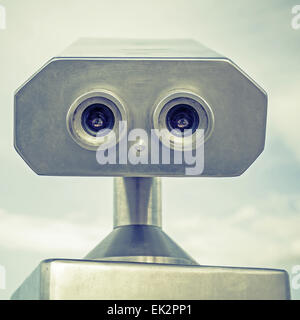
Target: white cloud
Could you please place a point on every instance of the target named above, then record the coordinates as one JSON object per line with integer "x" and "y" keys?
{"x": 264, "y": 234}
{"x": 73, "y": 234}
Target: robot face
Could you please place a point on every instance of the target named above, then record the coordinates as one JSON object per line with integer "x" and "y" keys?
{"x": 92, "y": 112}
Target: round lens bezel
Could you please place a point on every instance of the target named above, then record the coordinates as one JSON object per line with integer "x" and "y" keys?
{"x": 169, "y": 137}
{"x": 90, "y": 140}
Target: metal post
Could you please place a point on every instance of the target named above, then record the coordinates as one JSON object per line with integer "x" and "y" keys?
{"x": 137, "y": 201}
{"x": 137, "y": 234}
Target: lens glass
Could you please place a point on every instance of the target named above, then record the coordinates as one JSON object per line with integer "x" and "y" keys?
{"x": 182, "y": 117}
{"x": 97, "y": 117}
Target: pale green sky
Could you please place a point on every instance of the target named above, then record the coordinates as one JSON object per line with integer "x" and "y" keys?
{"x": 252, "y": 220}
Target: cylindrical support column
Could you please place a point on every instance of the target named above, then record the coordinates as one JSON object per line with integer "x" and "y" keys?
{"x": 137, "y": 234}
{"x": 137, "y": 201}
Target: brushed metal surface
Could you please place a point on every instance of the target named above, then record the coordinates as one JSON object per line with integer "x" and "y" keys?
{"x": 137, "y": 201}
{"x": 140, "y": 243}
{"x": 141, "y": 76}
{"x": 137, "y": 48}
{"x": 79, "y": 279}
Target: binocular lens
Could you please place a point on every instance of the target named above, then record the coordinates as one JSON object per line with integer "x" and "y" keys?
{"x": 97, "y": 117}
{"x": 182, "y": 117}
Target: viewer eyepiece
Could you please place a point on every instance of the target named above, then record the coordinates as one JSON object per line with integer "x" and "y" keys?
{"x": 97, "y": 117}
{"x": 182, "y": 117}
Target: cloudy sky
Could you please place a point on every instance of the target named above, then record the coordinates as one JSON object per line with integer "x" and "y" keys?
{"x": 252, "y": 220}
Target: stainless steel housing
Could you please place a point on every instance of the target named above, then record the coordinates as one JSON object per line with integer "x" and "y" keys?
{"x": 61, "y": 279}
{"x": 139, "y": 74}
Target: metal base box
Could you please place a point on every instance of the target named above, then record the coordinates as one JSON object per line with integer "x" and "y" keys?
{"x": 104, "y": 280}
